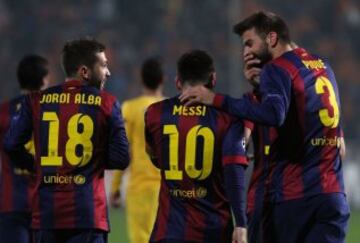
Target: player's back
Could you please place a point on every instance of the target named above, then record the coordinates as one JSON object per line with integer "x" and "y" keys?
{"x": 142, "y": 173}
{"x": 72, "y": 124}
{"x": 188, "y": 142}
{"x": 14, "y": 182}
{"x": 308, "y": 149}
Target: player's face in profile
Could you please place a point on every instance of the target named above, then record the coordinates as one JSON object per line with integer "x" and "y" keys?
{"x": 256, "y": 45}
{"x": 100, "y": 71}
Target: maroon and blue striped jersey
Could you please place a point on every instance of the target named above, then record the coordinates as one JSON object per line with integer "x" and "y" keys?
{"x": 14, "y": 182}
{"x": 192, "y": 145}
{"x": 300, "y": 96}
{"x": 262, "y": 140}
{"x": 78, "y": 133}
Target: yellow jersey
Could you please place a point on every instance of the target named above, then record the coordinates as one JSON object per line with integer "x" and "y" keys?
{"x": 143, "y": 174}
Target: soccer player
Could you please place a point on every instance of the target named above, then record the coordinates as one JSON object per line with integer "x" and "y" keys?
{"x": 78, "y": 133}
{"x": 201, "y": 154}
{"x": 15, "y": 183}
{"x": 299, "y": 96}
{"x": 257, "y": 197}
{"x": 144, "y": 179}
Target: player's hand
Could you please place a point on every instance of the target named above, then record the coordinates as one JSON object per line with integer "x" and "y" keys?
{"x": 115, "y": 199}
{"x": 239, "y": 235}
{"x": 251, "y": 70}
{"x": 197, "y": 94}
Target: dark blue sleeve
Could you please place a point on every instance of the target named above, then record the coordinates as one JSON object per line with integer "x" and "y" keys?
{"x": 234, "y": 175}
{"x": 275, "y": 88}
{"x": 19, "y": 133}
{"x": 118, "y": 149}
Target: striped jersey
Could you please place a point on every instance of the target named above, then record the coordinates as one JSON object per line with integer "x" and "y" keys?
{"x": 143, "y": 175}
{"x": 78, "y": 133}
{"x": 262, "y": 139}
{"x": 300, "y": 96}
{"x": 191, "y": 145}
{"x": 14, "y": 181}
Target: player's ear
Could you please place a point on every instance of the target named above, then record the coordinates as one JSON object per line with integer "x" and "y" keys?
{"x": 272, "y": 39}
{"x": 213, "y": 79}
{"x": 178, "y": 83}
{"x": 84, "y": 72}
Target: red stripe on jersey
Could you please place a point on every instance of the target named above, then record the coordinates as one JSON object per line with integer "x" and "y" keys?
{"x": 218, "y": 100}
{"x": 153, "y": 123}
{"x": 99, "y": 194}
{"x": 329, "y": 180}
{"x": 6, "y": 200}
{"x": 64, "y": 198}
{"x": 249, "y": 124}
{"x": 238, "y": 159}
{"x": 293, "y": 183}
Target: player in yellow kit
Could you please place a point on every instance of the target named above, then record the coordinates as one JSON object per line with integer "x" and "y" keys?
{"x": 144, "y": 178}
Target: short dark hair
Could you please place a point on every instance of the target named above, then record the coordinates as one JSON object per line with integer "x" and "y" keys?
{"x": 31, "y": 71}
{"x": 195, "y": 66}
{"x": 152, "y": 74}
{"x": 80, "y": 52}
{"x": 264, "y": 23}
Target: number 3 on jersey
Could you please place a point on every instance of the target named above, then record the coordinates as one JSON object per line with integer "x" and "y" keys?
{"x": 321, "y": 85}
{"x": 75, "y": 138}
{"x": 190, "y": 152}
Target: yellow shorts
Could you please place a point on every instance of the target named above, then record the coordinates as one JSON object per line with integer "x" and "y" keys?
{"x": 141, "y": 209}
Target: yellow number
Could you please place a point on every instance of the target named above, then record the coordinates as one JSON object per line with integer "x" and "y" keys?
{"x": 52, "y": 159}
{"x": 76, "y": 138}
{"x": 208, "y": 152}
{"x": 174, "y": 173}
{"x": 328, "y": 121}
{"x": 190, "y": 152}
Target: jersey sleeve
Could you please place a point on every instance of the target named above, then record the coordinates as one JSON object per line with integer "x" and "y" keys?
{"x": 233, "y": 146}
{"x": 234, "y": 164}
{"x": 19, "y": 134}
{"x": 275, "y": 89}
{"x": 118, "y": 150}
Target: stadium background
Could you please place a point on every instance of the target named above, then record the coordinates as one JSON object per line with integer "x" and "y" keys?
{"x": 133, "y": 30}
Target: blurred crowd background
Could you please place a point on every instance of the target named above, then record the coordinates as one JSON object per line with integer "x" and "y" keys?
{"x": 134, "y": 30}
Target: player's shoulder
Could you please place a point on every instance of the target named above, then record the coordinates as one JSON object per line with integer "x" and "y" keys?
{"x": 132, "y": 102}
{"x": 165, "y": 102}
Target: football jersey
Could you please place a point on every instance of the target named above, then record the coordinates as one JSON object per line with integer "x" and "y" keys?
{"x": 191, "y": 145}
{"x": 264, "y": 152}
{"x": 299, "y": 95}
{"x": 143, "y": 174}
{"x": 78, "y": 133}
{"x": 14, "y": 181}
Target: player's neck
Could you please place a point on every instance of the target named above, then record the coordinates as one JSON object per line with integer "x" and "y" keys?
{"x": 149, "y": 92}
{"x": 281, "y": 49}
{"x": 68, "y": 79}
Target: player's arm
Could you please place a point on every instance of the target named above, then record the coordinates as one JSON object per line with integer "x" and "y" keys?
{"x": 149, "y": 141}
{"x": 18, "y": 135}
{"x": 117, "y": 174}
{"x": 234, "y": 164}
{"x": 115, "y": 188}
{"x": 118, "y": 148}
{"x": 275, "y": 88}
{"x": 342, "y": 145}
